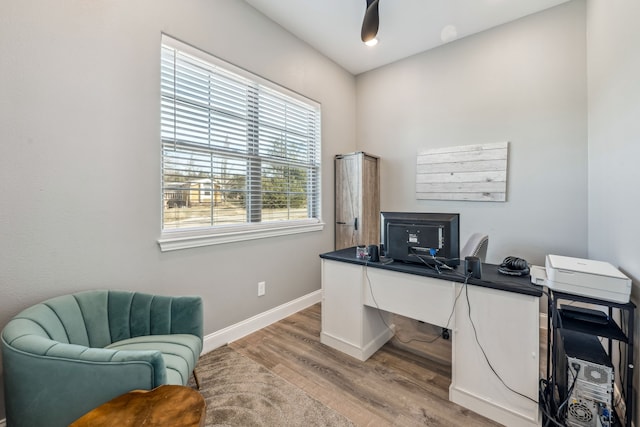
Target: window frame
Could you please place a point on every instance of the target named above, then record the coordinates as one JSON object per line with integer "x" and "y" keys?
{"x": 174, "y": 239}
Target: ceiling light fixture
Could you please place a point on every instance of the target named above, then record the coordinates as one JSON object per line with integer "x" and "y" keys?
{"x": 370, "y": 23}
{"x": 371, "y": 42}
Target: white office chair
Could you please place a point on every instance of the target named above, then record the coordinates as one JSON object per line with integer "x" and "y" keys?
{"x": 476, "y": 246}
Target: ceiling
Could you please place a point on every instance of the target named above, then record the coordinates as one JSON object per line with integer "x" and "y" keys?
{"x": 407, "y": 27}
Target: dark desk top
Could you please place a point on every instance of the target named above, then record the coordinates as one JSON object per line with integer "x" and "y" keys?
{"x": 490, "y": 276}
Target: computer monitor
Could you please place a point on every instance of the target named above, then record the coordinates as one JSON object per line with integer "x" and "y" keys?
{"x": 421, "y": 237}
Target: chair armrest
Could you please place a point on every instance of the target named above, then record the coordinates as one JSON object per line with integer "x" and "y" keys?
{"x": 75, "y": 378}
{"x": 150, "y": 361}
{"x": 187, "y": 315}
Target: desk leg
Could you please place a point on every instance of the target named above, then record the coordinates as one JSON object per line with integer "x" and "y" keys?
{"x": 347, "y": 324}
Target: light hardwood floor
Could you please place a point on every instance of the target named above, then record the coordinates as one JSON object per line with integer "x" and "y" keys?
{"x": 401, "y": 384}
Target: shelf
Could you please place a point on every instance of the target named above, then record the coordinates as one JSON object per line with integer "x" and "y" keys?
{"x": 610, "y": 330}
{"x": 595, "y": 326}
{"x": 558, "y": 295}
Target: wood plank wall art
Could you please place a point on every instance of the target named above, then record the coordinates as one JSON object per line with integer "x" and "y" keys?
{"x": 469, "y": 172}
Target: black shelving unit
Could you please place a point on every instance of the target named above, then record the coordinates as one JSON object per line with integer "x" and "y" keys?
{"x": 611, "y": 331}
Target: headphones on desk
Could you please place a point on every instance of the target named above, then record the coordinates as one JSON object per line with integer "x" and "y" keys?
{"x": 514, "y": 266}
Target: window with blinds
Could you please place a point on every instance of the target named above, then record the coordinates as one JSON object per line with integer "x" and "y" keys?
{"x": 238, "y": 152}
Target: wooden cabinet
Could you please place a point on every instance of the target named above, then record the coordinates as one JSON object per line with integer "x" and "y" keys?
{"x": 357, "y": 204}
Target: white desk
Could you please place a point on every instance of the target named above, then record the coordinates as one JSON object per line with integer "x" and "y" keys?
{"x": 357, "y": 300}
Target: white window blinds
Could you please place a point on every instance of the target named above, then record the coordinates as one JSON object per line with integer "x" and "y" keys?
{"x": 236, "y": 149}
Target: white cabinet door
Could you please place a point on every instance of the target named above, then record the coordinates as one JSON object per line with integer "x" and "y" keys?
{"x": 505, "y": 328}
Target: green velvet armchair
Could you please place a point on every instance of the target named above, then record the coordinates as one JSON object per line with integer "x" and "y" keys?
{"x": 68, "y": 355}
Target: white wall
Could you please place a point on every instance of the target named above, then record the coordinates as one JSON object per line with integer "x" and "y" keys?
{"x": 80, "y": 162}
{"x": 524, "y": 82}
{"x": 614, "y": 142}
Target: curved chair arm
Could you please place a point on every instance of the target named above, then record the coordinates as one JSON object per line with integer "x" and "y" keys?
{"x": 187, "y": 316}
{"x": 66, "y": 380}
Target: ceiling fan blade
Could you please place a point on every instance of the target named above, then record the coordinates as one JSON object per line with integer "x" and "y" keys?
{"x": 371, "y": 21}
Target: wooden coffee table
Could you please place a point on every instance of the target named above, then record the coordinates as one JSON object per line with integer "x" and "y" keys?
{"x": 167, "y": 405}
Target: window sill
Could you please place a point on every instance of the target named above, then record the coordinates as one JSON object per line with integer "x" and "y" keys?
{"x": 185, "y": 239}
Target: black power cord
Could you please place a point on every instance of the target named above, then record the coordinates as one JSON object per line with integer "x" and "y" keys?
{"x": 437, "y": 264}
{"x": 464, "y": 288}
{"x": 435, "y": 338}
{"x": 545, "y": 403}
{"x": 560, "y": 414}
{"x": 475, "y": 333}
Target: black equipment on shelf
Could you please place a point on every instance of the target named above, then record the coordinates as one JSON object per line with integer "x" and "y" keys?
{"x": 579, "y": 388}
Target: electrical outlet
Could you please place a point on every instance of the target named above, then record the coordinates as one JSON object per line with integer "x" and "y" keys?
{"x": 262, "y": 288}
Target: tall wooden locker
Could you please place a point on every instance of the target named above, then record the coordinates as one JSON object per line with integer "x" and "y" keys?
{"x": 357, "y": 180}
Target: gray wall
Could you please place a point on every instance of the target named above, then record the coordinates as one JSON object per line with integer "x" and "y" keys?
{"x": 524, "y": 82}
{"x": 614, "y": 142}
{"x": 80, "y": 163}
{"x": 79, "y": 128}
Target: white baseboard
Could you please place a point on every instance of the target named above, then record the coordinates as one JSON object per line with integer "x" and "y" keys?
{"x": 259, "y": 321}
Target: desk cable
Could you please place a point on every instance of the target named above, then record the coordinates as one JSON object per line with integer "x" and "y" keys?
{"x": 464, "y": 288}
{"x": 475, "y": 333}
{"x": 437, "y": 263}
{"x": 546, "y": 387}
{"x": 437, "y": 337}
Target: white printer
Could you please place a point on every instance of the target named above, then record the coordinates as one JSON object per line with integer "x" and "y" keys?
{"x": 595, "y": 279}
